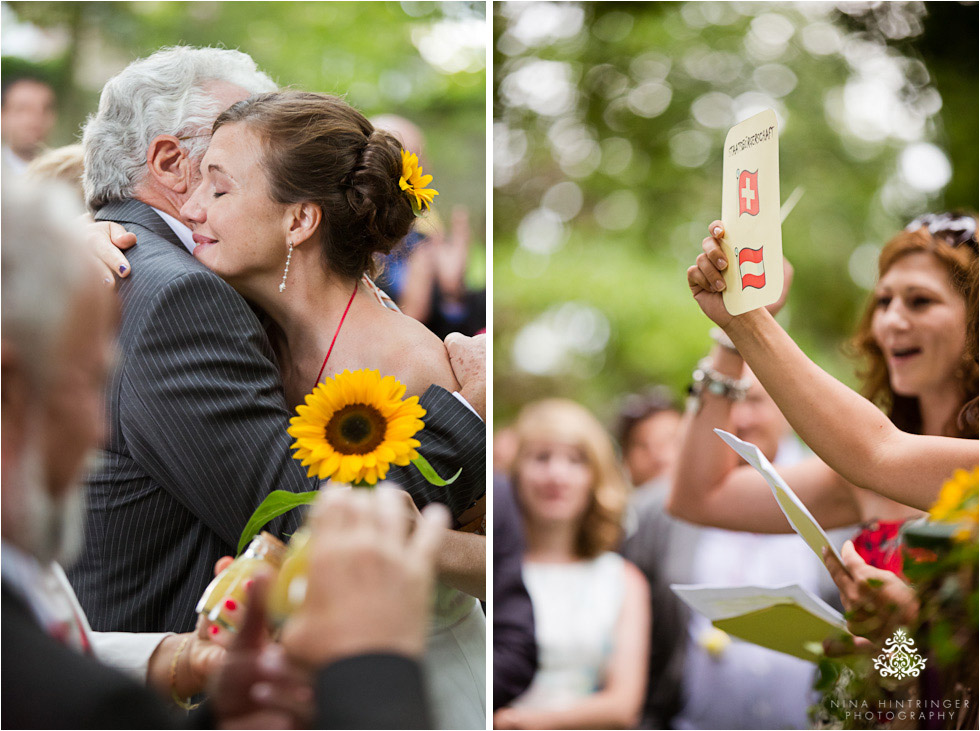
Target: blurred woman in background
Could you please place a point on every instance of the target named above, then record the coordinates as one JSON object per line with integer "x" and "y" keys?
{"x": 591, "y": 606}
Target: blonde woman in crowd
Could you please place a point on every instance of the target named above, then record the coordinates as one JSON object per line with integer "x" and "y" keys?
{"x": 591, "y": 606}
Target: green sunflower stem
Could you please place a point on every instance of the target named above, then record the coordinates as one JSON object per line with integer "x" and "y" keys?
{"x": 429, "y": 473}
{"x": 276, "y": 503}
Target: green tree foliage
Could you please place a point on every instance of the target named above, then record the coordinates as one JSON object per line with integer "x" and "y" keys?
{"x": 609, "y": 124}
{"x": 369, "y": 52}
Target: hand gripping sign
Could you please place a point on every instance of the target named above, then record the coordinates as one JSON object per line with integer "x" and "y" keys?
{"x": 750, "y": 211}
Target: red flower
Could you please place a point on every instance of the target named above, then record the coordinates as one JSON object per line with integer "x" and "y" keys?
{"x": 879, "y": 544}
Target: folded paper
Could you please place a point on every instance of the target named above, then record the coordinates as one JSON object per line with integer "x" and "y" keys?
{"x": 785, "y": 618}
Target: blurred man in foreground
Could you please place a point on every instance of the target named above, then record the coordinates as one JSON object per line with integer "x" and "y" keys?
{"x": 365, "y": 610}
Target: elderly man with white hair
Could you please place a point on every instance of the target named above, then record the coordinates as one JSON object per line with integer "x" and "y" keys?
{"x": 195, "y": 436}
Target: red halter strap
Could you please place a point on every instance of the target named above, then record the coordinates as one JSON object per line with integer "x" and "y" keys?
{"x": 339, "y": 324}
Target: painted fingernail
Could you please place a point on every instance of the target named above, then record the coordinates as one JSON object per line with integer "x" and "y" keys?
{"x": 123, "y": 268}
{"x": 248, "y": 584}
{"x": 214, "y": 629}
{"x": 722, "y": 263}
{"x": 231, "y": 605}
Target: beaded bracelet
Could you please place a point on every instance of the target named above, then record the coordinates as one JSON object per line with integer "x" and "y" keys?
{"x": 707, "y": 378}
{"x": 185, "y": 704}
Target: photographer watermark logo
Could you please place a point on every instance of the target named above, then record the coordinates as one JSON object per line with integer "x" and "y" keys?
{"x": 900, "y": 659}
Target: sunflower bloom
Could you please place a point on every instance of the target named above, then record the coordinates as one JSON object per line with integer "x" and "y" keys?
{"x": 413, "y": 182}
{"x": 354, "y": 426}
{"x": 958, "y": 503}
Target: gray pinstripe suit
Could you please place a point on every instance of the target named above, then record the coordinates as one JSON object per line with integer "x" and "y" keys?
{"x": 197, "y": 438}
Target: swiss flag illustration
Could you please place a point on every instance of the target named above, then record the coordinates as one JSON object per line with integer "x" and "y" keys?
{"x": 748, "y": 193}
{"x": 751, "y": 268}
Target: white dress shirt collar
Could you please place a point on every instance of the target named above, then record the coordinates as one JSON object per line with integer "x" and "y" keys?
{"x": 185, "y": 235}
{"x": 29, "y": 579}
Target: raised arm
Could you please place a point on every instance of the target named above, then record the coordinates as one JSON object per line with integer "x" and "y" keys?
{"x": 844, "y": 429}
{"x": 848, "y": 432}
{"x": 713, "y": 486}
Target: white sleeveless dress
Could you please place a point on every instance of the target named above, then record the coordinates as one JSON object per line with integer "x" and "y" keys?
{"x": 455, "y": 661}
{"x": 576, "y": 609}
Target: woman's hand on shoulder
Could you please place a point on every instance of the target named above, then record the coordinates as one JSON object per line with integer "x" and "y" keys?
{"x": 104, "y": 240}
{"x": 419, "y": 359}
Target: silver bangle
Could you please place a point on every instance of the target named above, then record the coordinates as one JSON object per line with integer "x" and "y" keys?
{"x": 708, "y": 379}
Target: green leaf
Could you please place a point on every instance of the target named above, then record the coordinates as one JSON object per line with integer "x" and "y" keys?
{"x": 423, "y": 466}
{"x": 827, "y": 675}
{"x": 275, "y": 504}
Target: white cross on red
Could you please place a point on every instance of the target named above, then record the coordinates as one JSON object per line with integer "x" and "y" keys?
{"x": 748, "y": 195}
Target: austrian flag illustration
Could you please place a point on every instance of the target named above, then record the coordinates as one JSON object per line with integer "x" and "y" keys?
{"x": 751, "y": 268}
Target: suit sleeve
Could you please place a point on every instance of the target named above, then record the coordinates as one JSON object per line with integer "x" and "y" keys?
{"x": 202, "y": 408}
{"x": 515, "y": 651}
{"x": 371, "y": 692}
{"x": 453, "y": 438}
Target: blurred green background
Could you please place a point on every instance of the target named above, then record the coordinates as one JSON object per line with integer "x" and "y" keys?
{"x": 609, "y": 122}
{"x": 422, "y": 60}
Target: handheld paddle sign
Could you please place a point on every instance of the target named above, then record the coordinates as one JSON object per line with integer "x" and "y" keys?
{"x": 753, "y": 242}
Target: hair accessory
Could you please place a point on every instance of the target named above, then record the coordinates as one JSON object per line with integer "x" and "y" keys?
{"x": 289, "y": 257}
{"x": 955, "y": 229}
{"x": 413, "y": 182}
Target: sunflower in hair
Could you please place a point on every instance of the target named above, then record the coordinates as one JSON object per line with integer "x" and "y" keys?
{"x": 354, "y": 426}
{"x": 413, "y": 182}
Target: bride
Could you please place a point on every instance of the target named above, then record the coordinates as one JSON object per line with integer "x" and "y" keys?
{"x": 298, "y": 194}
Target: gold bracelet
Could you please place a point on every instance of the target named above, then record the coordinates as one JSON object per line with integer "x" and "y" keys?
{"x": 185, "y": 704}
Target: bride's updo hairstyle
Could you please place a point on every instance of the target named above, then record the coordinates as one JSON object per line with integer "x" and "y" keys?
{"x": 320, "y": 149}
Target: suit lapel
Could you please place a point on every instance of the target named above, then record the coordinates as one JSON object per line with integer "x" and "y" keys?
{"x": 13, "y": 602}
{"x": 140, "y": 214}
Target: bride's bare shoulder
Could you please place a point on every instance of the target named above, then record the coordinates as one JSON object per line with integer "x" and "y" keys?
{"x": 416, "y": 356}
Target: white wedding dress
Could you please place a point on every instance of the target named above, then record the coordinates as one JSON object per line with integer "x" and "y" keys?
{"x": 455, "y": 663}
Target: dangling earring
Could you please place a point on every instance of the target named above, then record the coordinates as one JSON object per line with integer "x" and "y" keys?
{"x": 289, "y": 256}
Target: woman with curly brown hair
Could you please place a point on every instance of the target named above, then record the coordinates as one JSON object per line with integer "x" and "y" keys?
{"x": 591, "y": 606}
{"x": 919, "y": 338}
{"x": 892, "y": 373}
